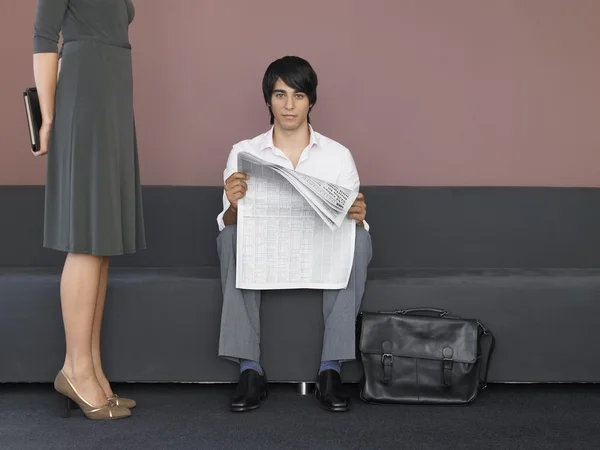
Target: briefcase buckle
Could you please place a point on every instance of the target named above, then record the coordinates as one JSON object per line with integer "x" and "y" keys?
{"x": 387, "y": 359}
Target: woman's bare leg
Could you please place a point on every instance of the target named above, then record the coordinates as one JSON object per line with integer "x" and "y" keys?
{"x": 79, "y": 294}
{"x": 101, "y": 299}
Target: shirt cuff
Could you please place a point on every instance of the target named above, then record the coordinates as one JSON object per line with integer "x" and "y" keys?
{"x": 220, "y": 222}
{"x": 226, "y": 205}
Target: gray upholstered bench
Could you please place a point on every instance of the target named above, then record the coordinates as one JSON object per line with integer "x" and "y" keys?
{"x": 434, "y": 247}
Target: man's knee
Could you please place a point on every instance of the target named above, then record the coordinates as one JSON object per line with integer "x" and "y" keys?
{"x": 363, "y": 242}
{"x": 230, "y": 231}
{"x": 227, "y": 237}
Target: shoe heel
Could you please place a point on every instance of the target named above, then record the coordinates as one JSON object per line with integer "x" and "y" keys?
{"x": 65, "y": 405}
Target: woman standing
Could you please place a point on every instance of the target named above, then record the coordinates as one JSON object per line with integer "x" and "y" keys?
{"x": 93, "y": 199}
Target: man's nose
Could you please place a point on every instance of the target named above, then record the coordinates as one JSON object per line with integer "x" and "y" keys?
{"x": 289, "y": 104}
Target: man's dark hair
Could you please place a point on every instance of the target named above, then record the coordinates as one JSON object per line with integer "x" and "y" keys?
{"x": 297, "y": 73}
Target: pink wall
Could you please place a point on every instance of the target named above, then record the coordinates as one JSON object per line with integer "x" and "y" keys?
{"x": 424, "y": 92}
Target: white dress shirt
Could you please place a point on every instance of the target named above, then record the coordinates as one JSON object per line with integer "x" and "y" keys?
{"x": 324, "y": 158}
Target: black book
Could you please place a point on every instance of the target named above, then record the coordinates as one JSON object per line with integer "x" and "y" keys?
{"x": 34, "y": 116}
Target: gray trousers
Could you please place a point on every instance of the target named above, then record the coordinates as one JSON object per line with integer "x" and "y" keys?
{"x": 240, "y": 318}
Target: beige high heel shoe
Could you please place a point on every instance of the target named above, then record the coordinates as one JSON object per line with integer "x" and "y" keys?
{"x": 124, "y": 402}
{"x": 70, "y": 396}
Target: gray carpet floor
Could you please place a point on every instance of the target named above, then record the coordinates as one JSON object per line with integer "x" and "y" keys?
{"x": 196, "y": 417}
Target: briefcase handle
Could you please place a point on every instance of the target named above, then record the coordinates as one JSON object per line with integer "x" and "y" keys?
{"x": 440, "y": 312}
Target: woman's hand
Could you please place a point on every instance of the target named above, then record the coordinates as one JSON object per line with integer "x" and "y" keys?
{"x": 44, "y": 139}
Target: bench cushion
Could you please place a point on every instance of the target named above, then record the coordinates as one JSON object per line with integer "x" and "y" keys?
{"x": 162, "y": 324}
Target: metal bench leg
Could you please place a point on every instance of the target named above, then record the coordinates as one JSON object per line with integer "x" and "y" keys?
{"x": 305, "y": 388}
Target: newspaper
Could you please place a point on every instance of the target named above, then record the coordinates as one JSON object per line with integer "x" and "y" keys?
{"x": 293, "y": 230}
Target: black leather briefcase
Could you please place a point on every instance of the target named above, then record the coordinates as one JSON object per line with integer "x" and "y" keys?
{"x": 422, "y": 356}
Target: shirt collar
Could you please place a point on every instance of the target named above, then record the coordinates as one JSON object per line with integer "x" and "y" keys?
{"x": 268, "y": 139}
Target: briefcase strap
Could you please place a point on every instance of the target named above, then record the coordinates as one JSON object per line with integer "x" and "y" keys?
{"x": 487, "y": 347}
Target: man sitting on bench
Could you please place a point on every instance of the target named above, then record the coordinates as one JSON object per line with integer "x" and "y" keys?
{"x": 290, "y": 92}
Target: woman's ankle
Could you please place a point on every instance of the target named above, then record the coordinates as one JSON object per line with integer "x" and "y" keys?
{"x": 75, "y": 371}
{"x": 104, "y": 384}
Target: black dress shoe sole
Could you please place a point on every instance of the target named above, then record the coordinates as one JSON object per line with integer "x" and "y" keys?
{"x": 263, "y": 396}
{"x": 244, "y": 408}
{"x": 334, "y": 409}
{"x": 330, "y": 408}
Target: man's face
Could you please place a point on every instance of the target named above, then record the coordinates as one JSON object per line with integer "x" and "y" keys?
{"x": 289, "y": 107}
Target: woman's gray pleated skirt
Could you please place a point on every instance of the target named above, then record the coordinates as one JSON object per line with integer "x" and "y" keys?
{"x": 93, "y": 199}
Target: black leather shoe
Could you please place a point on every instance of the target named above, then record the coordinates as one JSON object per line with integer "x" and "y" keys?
{"x": 330, "y": 393}
{"x": 251, "y": 389}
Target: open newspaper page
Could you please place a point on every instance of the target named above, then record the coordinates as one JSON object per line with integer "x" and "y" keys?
{"x": 293, "y": 230}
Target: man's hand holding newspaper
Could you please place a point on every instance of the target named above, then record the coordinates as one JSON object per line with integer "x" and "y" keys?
{"x": 294, "y": 230}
